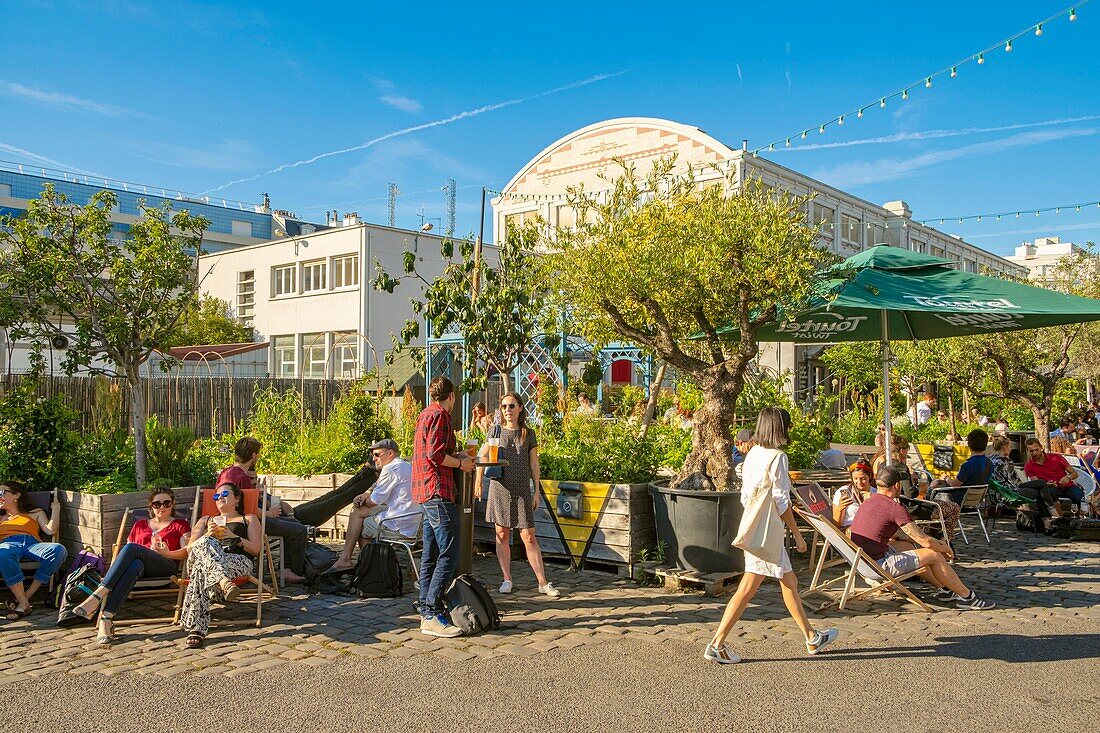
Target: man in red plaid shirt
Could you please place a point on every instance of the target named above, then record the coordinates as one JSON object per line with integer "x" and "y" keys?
{"x": 433, "y": 487}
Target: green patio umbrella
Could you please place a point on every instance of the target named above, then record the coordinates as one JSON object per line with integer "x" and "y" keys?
{"x": 887, "y": 292}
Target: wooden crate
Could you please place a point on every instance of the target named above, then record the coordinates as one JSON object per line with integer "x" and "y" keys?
{"x": 712, "y": 584}
{"x": 92, "y": 520}
{"x": 297, "y": 489}
{"x": 617, "y": 523}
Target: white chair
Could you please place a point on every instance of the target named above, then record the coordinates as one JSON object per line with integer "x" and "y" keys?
{"x": 972, "y": 503}
{"x": 413, "y": 546}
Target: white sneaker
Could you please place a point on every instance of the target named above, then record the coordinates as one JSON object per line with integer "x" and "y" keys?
{"x": 506, "y": 587}
{"x": 722, "y": 655}
{"x": 439, "y": 626}
{"x": 549, "y": 590}
{"x": 821, "y": 640}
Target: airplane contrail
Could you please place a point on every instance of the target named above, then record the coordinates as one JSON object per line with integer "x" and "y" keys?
{"x": 416, "y": 128}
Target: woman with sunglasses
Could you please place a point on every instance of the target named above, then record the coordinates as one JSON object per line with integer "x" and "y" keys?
{"x": 847, "y": 499}
{"x": 221, "y": 548}
{"x": 154, "y": 548}
{"x": 22, "y": 525}
{"x": 513, "y": 497}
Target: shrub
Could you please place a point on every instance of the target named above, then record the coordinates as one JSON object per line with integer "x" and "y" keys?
{"x": 167, "y": 448}
{"x": 808, "y": 439}
{"x": 673, "y": 444}
{"x": 206, "y": 459}
{"x": 855, "y": 430}
{"x": 37, "y": 444}
{"x": 410, "y": 411}
{"x": 592, "y": 449}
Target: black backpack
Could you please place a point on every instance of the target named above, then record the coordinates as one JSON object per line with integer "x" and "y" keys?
{"x": 318, "y": 560}
{"x": 377, "y": 572}
{"x": 471, "y": 607}
{"x": 80, "y": 584}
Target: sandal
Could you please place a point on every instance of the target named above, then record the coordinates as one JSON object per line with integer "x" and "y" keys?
{"x": 86, "y": 612}
{"x": 14, "y": 614}
{"x": 105, "y": 637}
{"x": 194, "y": 641}
{"x": 229, "y": 590}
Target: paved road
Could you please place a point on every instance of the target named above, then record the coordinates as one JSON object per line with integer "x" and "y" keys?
{"x": 608, "y": 656}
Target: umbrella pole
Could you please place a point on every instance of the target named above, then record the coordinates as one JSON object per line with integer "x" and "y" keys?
{"x": 885, "y": 344}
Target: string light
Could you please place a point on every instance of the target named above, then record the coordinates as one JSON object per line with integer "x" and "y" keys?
{"x": 997, "y": 215}
{"x": 951, "y": 71}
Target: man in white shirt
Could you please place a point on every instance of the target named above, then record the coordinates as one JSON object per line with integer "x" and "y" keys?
{"x": 923, "y": 410}
{"x": 389, "y": 499}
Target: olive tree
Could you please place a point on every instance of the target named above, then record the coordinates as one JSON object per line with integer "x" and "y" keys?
{"x": 659, "y": 260}
{"x": 67, "y": 280}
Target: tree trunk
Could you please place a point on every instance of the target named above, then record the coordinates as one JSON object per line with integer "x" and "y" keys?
{"x": 1041, "y": 416}
{"x": 711, "y": 444}
{"x": 654, "y": 393}
{"x": 137, "y": 424}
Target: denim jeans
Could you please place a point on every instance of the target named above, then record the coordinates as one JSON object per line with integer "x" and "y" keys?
{"x": 440, "y": 558}
{"x": 134, "y": 562}
{"x": 50, "y": 555}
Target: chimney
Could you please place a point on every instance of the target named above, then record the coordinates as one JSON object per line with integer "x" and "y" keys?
{"x": 744, "y": 145}
{"x": 898, "y": 208}
{"x": 351, "y": 218}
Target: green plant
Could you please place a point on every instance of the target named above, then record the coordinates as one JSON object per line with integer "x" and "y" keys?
{"x": 591, "y": 449}
{"x": 205, "y": 459}
{"x": 592, "y": 373}
{"x": 549, "y": 406}
{"x": 853, "y": 429}
{"x": 168, "y": 448}
{"x": 37, "y": 444}
{"x": 625, "y": 399}
{"x": 410, "y": 411}
{"x": 807, "y": 439}
{"x": 688, "y": 395}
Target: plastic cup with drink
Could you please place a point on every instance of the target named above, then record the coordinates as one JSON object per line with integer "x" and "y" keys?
{"x": 493, "y": 454}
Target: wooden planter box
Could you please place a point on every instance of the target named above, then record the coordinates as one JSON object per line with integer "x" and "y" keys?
{"x": 617, "y": 523}
{"x": 297, "y": 489}
{"x": 92, "y": 520}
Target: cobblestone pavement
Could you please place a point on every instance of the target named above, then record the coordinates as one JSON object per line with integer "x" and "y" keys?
{"x": 1032, "y": 579}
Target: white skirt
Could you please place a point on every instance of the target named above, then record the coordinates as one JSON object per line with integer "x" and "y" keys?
{"x": 757, "y": 566}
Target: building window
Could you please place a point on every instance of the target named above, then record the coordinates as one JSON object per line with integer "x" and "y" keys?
{"x": 313, "y": 276}
{"x": 825, "y": 218}
{"x": 919, "y": 246}
{"x": 345, "y": 271}
{"x": 876, "y": 234}
{"x": 938, "y": 251}
{"x": 313, "y": 355}
{"x": 283, "y": 280}
{"x": 5, "y": 189}
{"x": 246, "y": 296}
{"x": 282, "y": 347}
{"x": 851, "y": 232}
{"x": 241, "y": 228}
{"x": 519, "y": 219}
{"x": 345, "y": 355}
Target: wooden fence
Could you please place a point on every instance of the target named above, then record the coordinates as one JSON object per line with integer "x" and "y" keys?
{"x": 208, "y": 406}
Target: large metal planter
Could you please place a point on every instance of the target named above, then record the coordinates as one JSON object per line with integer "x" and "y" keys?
{"x": 698, "y": 528}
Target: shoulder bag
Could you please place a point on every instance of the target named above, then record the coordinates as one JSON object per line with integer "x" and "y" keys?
{"x": 761, "y": 529}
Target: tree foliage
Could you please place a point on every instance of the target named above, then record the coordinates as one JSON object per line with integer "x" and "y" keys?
{"x": 208, "y": 320}
{"x": 660, "y": 259}
{"x": 113, "y": 301}
{"x": 498, "y": 321}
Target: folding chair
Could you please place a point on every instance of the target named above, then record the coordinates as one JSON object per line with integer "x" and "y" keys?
{"x": 147, "y": 587}
{"x": 411, "y": 546}
{"x": 44, "y": 501}
{"x": 936, "y": 521}
{"x": 205, "y": 507}
{"x": 972, "y": 502}
{"x": 861, "y": 568}
{"x": 1001, "y": 494}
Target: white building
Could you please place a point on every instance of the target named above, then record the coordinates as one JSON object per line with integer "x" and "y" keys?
{"x": 849, "y": 223}
{"x": 311, "y": 298}
{"x": 1041, "y": 257}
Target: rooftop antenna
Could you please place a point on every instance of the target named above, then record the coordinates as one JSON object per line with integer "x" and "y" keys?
{"x": 393, "y": 204}
{"x": 450, "y": 189}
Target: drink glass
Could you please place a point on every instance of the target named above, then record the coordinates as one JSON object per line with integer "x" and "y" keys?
{"x": 494, "y": 450}
{"x": 471, "y": 447}
{"x": 219, "y": 520}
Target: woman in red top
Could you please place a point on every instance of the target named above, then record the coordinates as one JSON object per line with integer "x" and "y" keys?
{"x": 154, "y": 548}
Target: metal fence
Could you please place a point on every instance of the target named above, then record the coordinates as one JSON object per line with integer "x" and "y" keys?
{"x": 208, "y": 406}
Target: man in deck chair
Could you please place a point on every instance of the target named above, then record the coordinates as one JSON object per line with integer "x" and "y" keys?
{"x": 881, "y": 516}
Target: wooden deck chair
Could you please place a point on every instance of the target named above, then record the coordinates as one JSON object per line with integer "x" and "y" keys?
{"x": 205, "y": 507}
{"x": 44, "y": 501}
{"x": 861, "y": 568}
{"x": 148, "y": 587}
{"x": 813, "y": 498}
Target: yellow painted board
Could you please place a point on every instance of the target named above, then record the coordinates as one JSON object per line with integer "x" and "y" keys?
{"x": 926, "y": 450}
{"x": 577, "y": 531}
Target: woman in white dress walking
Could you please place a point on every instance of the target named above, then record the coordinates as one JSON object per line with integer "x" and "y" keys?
{"x": 766, "y": 470}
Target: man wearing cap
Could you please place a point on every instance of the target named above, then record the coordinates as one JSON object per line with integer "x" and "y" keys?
{"x": 880, "y": 517}
{"x": 387, "y": 511}
{"x": 742, "y": 443}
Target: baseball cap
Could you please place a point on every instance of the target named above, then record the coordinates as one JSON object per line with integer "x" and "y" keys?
{"x": 744, "y": 435}
{"x": 387, "y": 444}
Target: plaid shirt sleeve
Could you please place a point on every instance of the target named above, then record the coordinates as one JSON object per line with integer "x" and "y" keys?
{"x": 433, "y": 442}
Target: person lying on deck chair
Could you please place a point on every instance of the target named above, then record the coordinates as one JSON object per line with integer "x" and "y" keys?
{"x": 877, "y": 521}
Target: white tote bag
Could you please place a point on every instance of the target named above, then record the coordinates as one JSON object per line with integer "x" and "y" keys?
{"x": 761, "y": 529}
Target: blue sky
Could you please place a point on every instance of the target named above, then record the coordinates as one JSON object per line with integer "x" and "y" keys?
{"x": 195, "y": 95}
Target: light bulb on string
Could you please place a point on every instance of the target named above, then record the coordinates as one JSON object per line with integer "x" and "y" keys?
{"x": 979, "y": 217}
{"x": 804, "y": 134}
{"x": 821, "y": 129}
{"x": 1078, "y": 210}
{"x": 1008, "y": 47}
{"x": 981, "y": 58}
{"x": 882, "y": 103}
{"x": 1039, "y": 29}
{"x": 960, "y": 220}
{"x": 860, "y": 113}
{"x": 1017, "y": 214}
{"x": 928, "y": 83}
{"x": 840, "y": 120}
{"x": 1072, "y": 14}
{"x": 1036, "y": 213}
{"x": 1058, "y": 211}
{"x": 954, "y": 72}
{"x": 788, "y": 142}
{"x": 771, "y": 148}
{"x": 905, "y": 94}
{"x": 998, "y": 217}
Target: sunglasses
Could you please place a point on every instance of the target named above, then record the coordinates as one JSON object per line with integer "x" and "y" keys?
{"x": 376, "y": 453}
{"x": 218, "y": 495}
{"x": 166, "y": 503}
{"x": 509, "y": 406}
{"x": 3, "y": 491}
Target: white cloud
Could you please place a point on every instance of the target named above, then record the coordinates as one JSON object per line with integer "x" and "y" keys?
{"x": 405, "y": 104}
{"x": 231, "y": 154}
{"x": 740, "y": 76}
{"x": 61, "y": 100}
{"x": 900, "y": 137}
{"x": 42, "y": 160}
{"x": 892, "y": 169}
